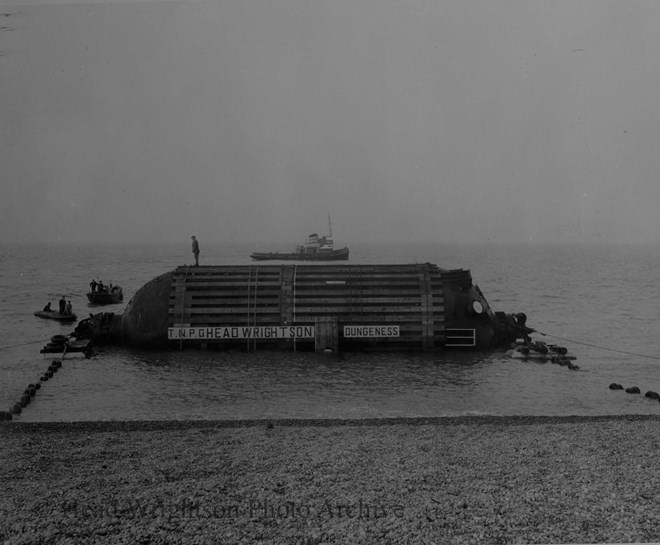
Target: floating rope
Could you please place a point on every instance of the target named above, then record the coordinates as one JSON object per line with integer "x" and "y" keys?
{"x": 23, "y": 344}
{"x": 600, "y": 347}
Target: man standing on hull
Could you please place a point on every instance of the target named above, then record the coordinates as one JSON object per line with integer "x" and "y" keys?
{"x": 195, "y": 250}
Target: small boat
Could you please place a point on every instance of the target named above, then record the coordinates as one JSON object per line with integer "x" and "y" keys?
{"x": 106, "y": 296}
{"x": 65, "y": 344}
{"x": 315, "y": 249}
{"x": 54, "y": 315}
{"x": 541, "y": 352}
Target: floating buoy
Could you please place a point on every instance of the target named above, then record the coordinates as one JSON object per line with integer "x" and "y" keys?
{"x": 25, "y": 400}
{"x": 540, "y": 347}
{"x": 633, "y": 390}
{"x": 16, "y": 409}
{"x": 57, "y": 363}
{"x": 615, "y": 386}
{"x": 573, "y": 367}
{"x": 37, "y": 385}
{"x": 561, "y": 360}
{"x": 43, "y": 378}
{"x": 32, "y": 391}
{"x": 652, "y": 395}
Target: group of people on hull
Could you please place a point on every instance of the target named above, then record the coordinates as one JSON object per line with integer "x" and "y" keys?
{"x": 65, "y": 307}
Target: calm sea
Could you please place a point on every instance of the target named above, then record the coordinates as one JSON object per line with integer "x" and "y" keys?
{"x": 602, "y": 302}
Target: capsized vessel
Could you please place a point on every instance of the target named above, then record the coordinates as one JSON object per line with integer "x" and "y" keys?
{"x": 322, "y": 307}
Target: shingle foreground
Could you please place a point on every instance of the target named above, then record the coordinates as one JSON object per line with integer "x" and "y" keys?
{"x": 444, "y": 480}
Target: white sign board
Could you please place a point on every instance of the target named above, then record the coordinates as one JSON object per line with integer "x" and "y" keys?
{"x": 371, "y": 331}
{"x": 241, "y": 332}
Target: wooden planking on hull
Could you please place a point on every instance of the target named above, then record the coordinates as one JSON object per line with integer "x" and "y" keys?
{"x": 272, "y": 295}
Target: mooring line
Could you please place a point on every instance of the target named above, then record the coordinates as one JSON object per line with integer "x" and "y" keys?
{"x": 626, "y": 352}
{"x": 23, "y": 344}
{"x": 599, "y": 347}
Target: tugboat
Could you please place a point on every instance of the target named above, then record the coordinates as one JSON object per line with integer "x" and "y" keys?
{"x": 315, "y": 249}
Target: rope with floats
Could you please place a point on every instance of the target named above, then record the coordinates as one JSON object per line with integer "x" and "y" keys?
{"x": 628, "y": 353}
{"x": 30, "y": 392}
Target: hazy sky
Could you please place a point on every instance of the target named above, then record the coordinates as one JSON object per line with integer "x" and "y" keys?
{"x": 251, "y": 120}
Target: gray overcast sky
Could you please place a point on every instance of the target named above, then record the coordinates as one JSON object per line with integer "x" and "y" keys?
{"x": 251, "y": 120}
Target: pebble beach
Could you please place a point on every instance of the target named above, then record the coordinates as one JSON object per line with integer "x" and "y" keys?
{"x": 444, "y": 480}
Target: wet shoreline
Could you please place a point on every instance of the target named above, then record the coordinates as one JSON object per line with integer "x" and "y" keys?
{"x": 136, "y": 425}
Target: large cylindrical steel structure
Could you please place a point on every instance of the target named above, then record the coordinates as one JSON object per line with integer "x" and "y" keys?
{"x": 312, "y": 307}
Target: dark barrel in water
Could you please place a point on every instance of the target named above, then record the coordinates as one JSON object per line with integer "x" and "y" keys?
{"x": 308, "y": 307}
